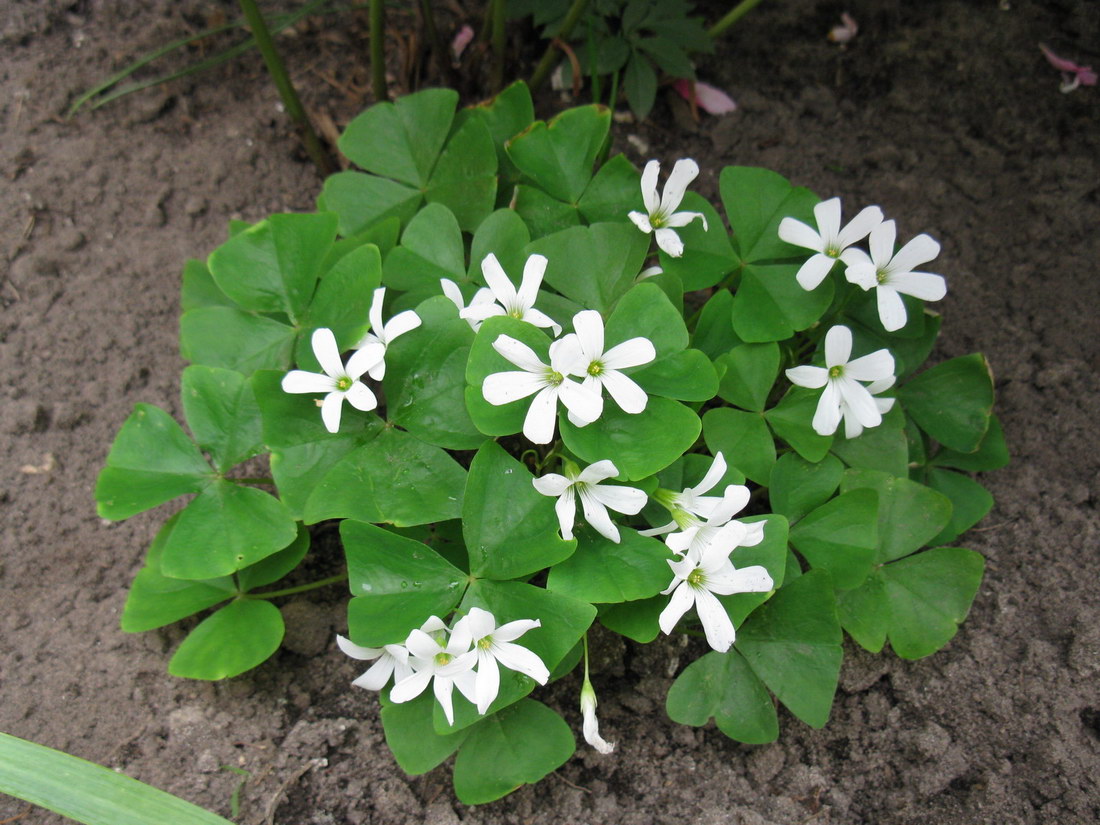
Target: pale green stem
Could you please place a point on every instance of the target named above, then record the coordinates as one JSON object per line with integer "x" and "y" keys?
{"x": 545, "y": 66}
{"x": 734, "y": 14}
{"x": 302, "y": 588}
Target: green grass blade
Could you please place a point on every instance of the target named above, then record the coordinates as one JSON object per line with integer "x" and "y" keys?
{"x": 87, "y": 792}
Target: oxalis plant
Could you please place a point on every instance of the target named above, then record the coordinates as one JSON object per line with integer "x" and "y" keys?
{"x": 537, "y": 391}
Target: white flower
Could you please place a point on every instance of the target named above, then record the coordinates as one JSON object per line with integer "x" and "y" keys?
{"x": 548, "y": 384}
{"x": 695, "y": 581}
{"x": 518, "y": 304}
{"x": 594, "y": 499}
{"x": 690, "y": 505}
{"x": 892, "y": 275}
{"x": 482, "y": 296}
{"x": 339, "y": 382}
{"x": 852, "y": 427}
{"x": 692, "y": 539}
{"x": 829, "y": 241}
{"x": 393, "y": 660}
{"x": 844, "y": 396}
{"x": 384, "y": 334}
{"x": 446, "y": 663}
{"x": 494, "y": 644}
{"x": 663, "y": 217}
{"x": 591, "y": 724}
{"x": 584, "y": 356}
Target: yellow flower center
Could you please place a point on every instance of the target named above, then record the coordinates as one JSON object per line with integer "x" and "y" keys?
{"x": 344, "y": 383}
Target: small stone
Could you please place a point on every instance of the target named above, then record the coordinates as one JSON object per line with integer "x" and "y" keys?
{"x": 308, "y": 629}
{"x": 22, "y": 416}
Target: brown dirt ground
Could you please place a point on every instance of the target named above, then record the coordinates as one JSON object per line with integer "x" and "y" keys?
{"x": 942, "y": 112}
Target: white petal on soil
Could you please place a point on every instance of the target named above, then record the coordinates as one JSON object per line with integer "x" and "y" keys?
{"x": 859, "y": 227}
{"x": 827, "y": 215}
{"x": 364, "y": 654}
{"x": 881, "y": 243}
{"x": 378, "y": 674}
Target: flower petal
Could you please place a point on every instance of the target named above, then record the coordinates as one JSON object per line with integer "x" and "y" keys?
{"x": 632, "y": 353}
{"x": 795, "y": 232}
{"x": 755, "y": 579}
{"x": 552, "y": 484}
{"x": 443, "y": 688}
{"x": 860, "y": 402}
{"x": 330, "y": 411}
{"x": 451, "y": 290}
{"x": 487, "y": 683}
{"x": 375, "y": 312}
{"x": 827, "y": 215}
{"x": 497, "y": 280}
{"x": 881, "y": 243}
{"x": 669, "y": 241}
{"x": 542, "y": 416}
{"x": 649, "y": 188}
{"x": 641, "y": 221}
{"x": 360, "y": 397}
{"x": 581, "y": 401}
{"x": 597, "y": 517}
{"x": 300, "y": 381}
{"x": 683, "y": 173}
{"x": 628, "y": 395}
{"x": 326, "y": 352}
{"x": 827, "y": 416}
{"x": 922, "y": 285}
{"x": 859, "y": 227}
{"x": 365, "y": 359}
{"x": 678, "y": 219}
{"x": 377, "y": 674}
{"x": 540, "y": 319}
{"x": 813, "y": 271}
{"x": 566, "y": 509}
{"x": 683, "y": 597}
{"x": 838, "y": 346}
{"x": 349, "y": 648}
{"x": 411, "y": 686}
{"x": 600, "y": 471}
{"x": 874, "y": 367}
{"x": 920, "y": 250}
{"x": 533, "y": 270}
{"x": 510, "y": 631}
{"x": 400, "y": 324}
{"x": 506, "y": 387}
{"x": 714, "y": 474}
{"x": 518, "y": 353}
{"x": 808, "y": 376}
{"x": 588, "y": 325}
{"x": 891, "y": 308}
{"x": 716, "y": 621}
{"x": 421, "y": 645}
{"x": 628, "y": 500}
{"x": 521, "y": 660}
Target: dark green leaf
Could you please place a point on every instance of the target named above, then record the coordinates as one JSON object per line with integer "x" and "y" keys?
{"x": 952, "y": 401}
{"x": 614, "y": 191}
{"x": 714, "y": 333}
{"x": 756, "y": 200}
{"x": 240, "y": 636}
{"x": 992, "y": 453}
{"x": 647, "y": 312}
{"x": 798, "y": 486}
{"x": 723, "y": 686}
{"x": 275, "y": 566}
{"x": 465, "y": 178}
{"x": 222, "y": 413}
{"x": 744, "y": 440}
{"x": 970, "y": 501}
{"x": 361, "y": 201}
{"x": 412, "y": 738}
{"x": 792, "y": 418}
{"x": 751, "y": 370}
{"x": 227, "y": 337}
{"x": 640, "y": 85}
{"x": 594, "y": 265}
{"x": 770, "y": 305}
{"x": 841, "y": 536}
{"x": 687, "y": 375}
{"x": 883, "y": 448}
{"x": 558, "y": 156}
{"x": 542, "y": 213}
{"x": 601, "y": 570}
{"x": 909, "y": 514}
{"x": 635, "y": 620}
{"x": 708, "y": 256}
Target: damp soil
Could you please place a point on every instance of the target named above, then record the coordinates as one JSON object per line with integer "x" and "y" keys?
{"x": 944, "y": 113}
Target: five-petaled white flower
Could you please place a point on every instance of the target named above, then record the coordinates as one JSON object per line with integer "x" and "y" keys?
{"x": 662, "y": 218}
{"x": 843, "y": 395}
{"x": 548, "y": 384}
{"x": 510, "y": 301}
{"x": 594, "y": 499}
{"x": 591, "y": 725}
{"x": 495, "y": 644}
{"x": 829, "y": 241}
{"x": 692, "y": 539}
{"x": 852, "y": 427}
{"x": 697, "y": 580}
{"x": 384, "y": 334}
{"x": 689, "y": 506}
{"x": 892, "y": 275}
{"x": 339, "y": 382}
{"x": 444, "y": 662}
{"x": 393, "y": 660}
{"x": 482, "y": 296}
{"x": 583, "y": 355}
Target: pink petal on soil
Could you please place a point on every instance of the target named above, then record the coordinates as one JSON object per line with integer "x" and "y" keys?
{"x": 847, "y": 30}
{"x": 709, "y": 98}
{"x": 1085, "y": 76}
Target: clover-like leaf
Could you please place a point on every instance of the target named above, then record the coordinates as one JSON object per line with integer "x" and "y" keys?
{"x": 236, "y": 638}
{"x": 722, "y": 686}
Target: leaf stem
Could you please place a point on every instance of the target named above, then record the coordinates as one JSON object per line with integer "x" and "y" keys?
{"x": 302, "y": 588}
{"x": 285, "y": 87}
{"x": 734, "y": 14}
{"x": 497, "y": 81}
{"x": 542, "y": 71}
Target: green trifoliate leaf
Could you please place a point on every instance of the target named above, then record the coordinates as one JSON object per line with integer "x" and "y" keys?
{"x": 909, "y": 514}
{"x": 291, "y": 419}
{"x": 152, "y": 461}
{"x": 199, "y": 289}
{"x": 511, "y": 529}
{"x": 970, "y": 502}
{"x": 425, "y": 379}
{"x": 277, "y": 565}
{"x": 411, "y": 737}
{"x": 401, "y": 140}
{"x": 396, "y": 584}
{"x": 382, "y": 234}
{"x": 646, "y": 311}
{"x": 723, "y": 686}
{"x": 593, "y": 265}
{"x": 156, "y": 600}
{"x": 884, "y": 448}
{"x": 841, "y": 536}
{"x": 274, "y": 265}
{"x": 917, "y": 603}
{"x": 771, "y": 306}
{"x": 227, "y": 337}
{"x": 791, "y": 419}
{"x": 798, "y": 486}
{"x": 393, "y": 479}
{"x": 484, "y": 361}
{"x": 756, "y": 201}
{"x": 362, "y": 201}
{"x": 543, "y": 214}
{"x": 771, "y": 553}
{"x": 503, "y": 234}
{"x": 992, "y": 453}
{"x": 745, "y": 440}
{"x": 221, "y": 411}
{"x": 607, "y": 572}
{"x": 465, "y": 178}
{"x": 613, "y": 192}
{"x": 708, "y": 256}
{"x": 751, "y": 370}
{"x": 793, "y": 643}
{"x": 558, "y": 156}
{"x": 687, "y": 375}
{"x": 714, "y": 333}
{"x": 517, "y": 746}
{"x": 563, "y": 622}
{"x": 226, "y": 527}
{"x": 240, "y": 636}
{"x": 639, "y": 620}
{"x": 431, "y": 248}
{"x": 952, "y": 401}
{"x": 343, "y": 296}
{"x": 642, "y": 443}
{"x": 505, "y": 116}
